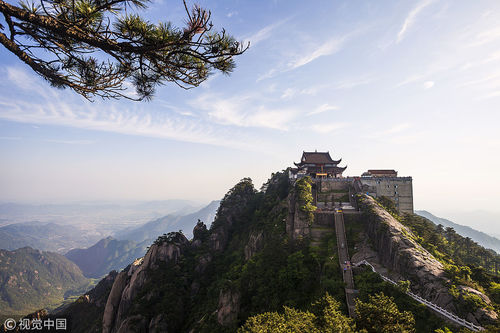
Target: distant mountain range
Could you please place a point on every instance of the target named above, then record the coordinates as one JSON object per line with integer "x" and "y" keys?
{"x": 155, "y": 228}
{"x": 106, "y": 255}
{"x": 481, "y": 238}
{"x": 45, "y": 236}
{"x": 161, "y": 207}
{"x": 115, "y": 254}
{"x": 31, "y": 279}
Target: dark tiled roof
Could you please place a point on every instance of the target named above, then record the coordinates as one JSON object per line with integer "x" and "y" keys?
{"x": 318, "y": 158}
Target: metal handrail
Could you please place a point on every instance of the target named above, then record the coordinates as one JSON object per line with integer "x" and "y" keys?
{"x": 431, "y": 305}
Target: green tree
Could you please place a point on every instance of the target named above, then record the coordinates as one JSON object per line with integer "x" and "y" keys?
{"x": 304, "y": 195}
{"x": 95, "y": 46}
{"x": 325, "y": 317}
{"x": 404, "y": 286}
{"x": 381, "y": 314}
{"x": 329, "y": 318}
{"x": 291, "y": 321}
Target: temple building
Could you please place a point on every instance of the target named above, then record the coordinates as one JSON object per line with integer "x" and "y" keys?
{"x": 317, "y": 165}
{"x": 386, "y": 183}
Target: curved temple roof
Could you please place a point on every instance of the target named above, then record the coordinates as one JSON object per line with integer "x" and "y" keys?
{"x": 317, "y": 158}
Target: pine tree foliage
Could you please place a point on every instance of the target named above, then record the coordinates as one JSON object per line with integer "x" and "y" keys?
{"x": 101, "y": 47}
{"x": 325, "y": 317}
{"x": 381, "y": 314}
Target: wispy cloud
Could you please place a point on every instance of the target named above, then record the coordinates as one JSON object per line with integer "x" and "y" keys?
{"x": 327, "y": 128}
{"x": 114, "y": 118}
{"x": 28, "y": 81}
{"x": 244, "y": 111}
{"x": 323, "y": 108}
{"x": 71, "y": 142}
{"x": 10, "y": 138}
{"x": 487, "y": 36}
{"x": 493, "y": 94}
{"x": 309, "y": 54}
{"x": 310, "y": 90}
{"x": 263, "y": 33}
{"x": 352, "y": 83}
{"x": 428, "y": 84}
{"x": 411, "y": 18}
{"x": 328, "y": 47}
{"x": 394, "y": 130}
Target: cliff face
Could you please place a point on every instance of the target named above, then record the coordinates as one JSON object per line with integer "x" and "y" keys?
{"x": 184, "y": 262}
{"x": 252, "y": 260}
{"x": 399, "y": 252}
{"x": 129, "y": 283}
{"x": 298, "y": 201}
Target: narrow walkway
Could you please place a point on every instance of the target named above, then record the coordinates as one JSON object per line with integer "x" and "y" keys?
{"x": 345, "y": 265}
{"x": 432, "y": 306}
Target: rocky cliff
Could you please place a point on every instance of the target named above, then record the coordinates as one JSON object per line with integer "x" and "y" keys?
{"x": 398, "y": 250}
{"x": 255, "y": 258}
{"x": 137, "y": 287}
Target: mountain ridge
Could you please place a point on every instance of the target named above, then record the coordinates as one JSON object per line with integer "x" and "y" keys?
{"x": 31, "y": 279}
{"x": 246, "y": 267}
{"x": 106, "y": 255}
{"x": 480, "y": 237}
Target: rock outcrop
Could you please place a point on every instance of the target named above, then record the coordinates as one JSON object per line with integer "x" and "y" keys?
{"x": 130, "y": 282}
{"x": 297, "y": 226}
{"x": 169, "y": 251}
{"x": 229, "y": 307}
{"x": 255, "y": 242}
{"x": 400, "y": 253}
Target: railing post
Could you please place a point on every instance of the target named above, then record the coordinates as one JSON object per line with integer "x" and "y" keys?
{"x": 433, "y": 306}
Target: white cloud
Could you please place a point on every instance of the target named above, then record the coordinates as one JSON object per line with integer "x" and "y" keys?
{"x": 327, "y": 48}
{"x": 28, "y": 81}
{"x": 263, "y": 33}
{"x": 299, "y": 59}
{"x": 288, "y": 93}
{"x": 428, "y": 84}
{"x": 486, "y": 36}
{"x": 71, "y": 142}
{"x": 311, "y": 91}
{"x": 231, "y": 14}
{"x": 493, "y": 94}
{"x": 323, "y": 108}
{"x": 411, "y": 18}
{"x": 110, "y": 117}
{"x": 352, "y": 83}
{"x": 327, "y": 128}
{"x": 395, "y": 129}
{"x": 244, "y": 111}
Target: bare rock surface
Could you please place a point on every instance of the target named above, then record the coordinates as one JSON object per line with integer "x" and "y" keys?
{"x": 255, "y": 242}
{"x": 229, "y": 306}
{"x": 129, "y": 283}
{"x": 398, "y": 251}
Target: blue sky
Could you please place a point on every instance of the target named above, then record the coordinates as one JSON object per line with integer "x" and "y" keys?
{"x": 408, "y": 85}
